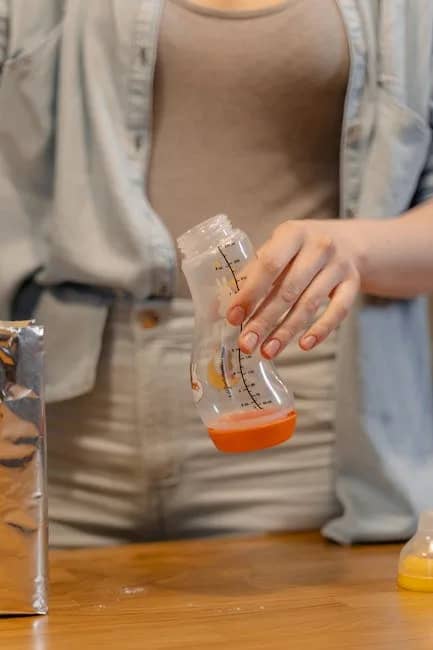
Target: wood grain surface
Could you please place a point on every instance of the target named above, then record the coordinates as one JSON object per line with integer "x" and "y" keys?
{"x": 291, "y": 592}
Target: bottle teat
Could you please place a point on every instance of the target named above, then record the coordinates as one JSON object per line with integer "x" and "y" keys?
{"x": 415, "y": 571}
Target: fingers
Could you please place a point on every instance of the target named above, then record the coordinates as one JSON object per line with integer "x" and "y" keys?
{"x": 287, "y": 292}
{"x": 261, "y": 274}
{"x": 303, "y": 312}
{"x": 342, "y": 300}
{"x": 296, "y": 272}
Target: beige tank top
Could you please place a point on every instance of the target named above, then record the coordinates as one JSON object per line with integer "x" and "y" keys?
{"x": 247, "y": 115}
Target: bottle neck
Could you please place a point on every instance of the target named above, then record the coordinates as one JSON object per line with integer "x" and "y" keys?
{"x": 204, "y": 236}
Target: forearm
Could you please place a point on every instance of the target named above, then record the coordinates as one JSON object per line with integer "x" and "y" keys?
{"x": 396, "y": 256}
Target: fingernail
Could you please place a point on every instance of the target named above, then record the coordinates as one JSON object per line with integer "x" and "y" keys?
{"x": 250, "y": 341}
{"x": 272, "y": 348}
{"x": 236, "y": 315}
{"x": 308, "y": 342}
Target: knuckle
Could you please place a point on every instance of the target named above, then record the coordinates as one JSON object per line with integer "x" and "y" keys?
{"x": 303, "y": 324}
{"x": 258, "y": 326}
{"x": 269, "y": 262}
{"x": 341, "y": 312}
{"x": 286, "y": 333}
{"x": 289, "y": 294}
{"x": 310, "y": 305}
{"x": 282, "y": 229}
{"x": 343, "y": 265}
{"x": 325, "y": 244}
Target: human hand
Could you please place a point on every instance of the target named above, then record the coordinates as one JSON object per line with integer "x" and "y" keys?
{"x": 303, "y": 266}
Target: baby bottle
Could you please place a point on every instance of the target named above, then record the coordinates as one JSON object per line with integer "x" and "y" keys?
{"x": 240, "y": 397}
{"x": 415, "y": 570}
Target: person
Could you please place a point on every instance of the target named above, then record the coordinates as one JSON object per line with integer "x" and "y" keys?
{"x": 126, "y": 123}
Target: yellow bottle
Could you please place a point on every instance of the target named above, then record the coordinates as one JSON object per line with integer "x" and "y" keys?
{"x": 415, "y": 571}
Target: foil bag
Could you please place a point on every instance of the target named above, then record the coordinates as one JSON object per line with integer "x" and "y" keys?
{"x": 23, "y": 496}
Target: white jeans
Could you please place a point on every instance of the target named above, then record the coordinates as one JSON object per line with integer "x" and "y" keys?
{"x": 132, "y": 461}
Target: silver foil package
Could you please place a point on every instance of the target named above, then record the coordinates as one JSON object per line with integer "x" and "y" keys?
{"x": 23, "y": 495}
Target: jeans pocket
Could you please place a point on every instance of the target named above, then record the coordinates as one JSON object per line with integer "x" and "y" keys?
{"x": 166, "y": 409}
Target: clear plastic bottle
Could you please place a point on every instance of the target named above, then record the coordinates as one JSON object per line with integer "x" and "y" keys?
{"x": 240, "y": 397}
{"x": 415, "y": 570}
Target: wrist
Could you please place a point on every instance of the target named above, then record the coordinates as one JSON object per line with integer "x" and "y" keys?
{"x": 376, "y": 244}
{"x": 361, "y": 240}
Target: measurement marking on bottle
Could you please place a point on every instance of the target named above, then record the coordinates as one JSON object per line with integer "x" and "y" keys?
{"x": 240, "y": 355}
{"x": 247, "y": 389}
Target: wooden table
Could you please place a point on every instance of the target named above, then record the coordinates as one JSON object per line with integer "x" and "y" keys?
{"x": 290, "y": 592}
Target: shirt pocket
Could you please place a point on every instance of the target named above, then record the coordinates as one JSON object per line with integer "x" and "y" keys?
{"x": 27, "y": 101}
{"x": 396, "y": 158}
{"x": 27, "y": 135}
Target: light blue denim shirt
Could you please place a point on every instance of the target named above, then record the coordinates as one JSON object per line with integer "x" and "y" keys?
{"x": 75, "y": 135}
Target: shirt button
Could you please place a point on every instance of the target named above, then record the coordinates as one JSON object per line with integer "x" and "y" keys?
{"x": 147, "y": 319}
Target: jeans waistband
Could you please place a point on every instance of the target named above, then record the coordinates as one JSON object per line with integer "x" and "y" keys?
{"x": 27, "y": 297}
{"x": 74, "y": 291}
